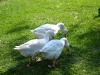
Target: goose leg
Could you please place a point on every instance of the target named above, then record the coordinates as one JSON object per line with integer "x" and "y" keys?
{"x": 39, "y": 59}
{"x": 68, "y": 50}
{"x": 53, "y": 63}
{"x": 30, "y": 60}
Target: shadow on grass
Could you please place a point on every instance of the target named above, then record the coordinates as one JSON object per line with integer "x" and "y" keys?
{"x": 92, "y": 47}
{"x": 18, "y": 27}
{"x": 37, "y": 68}
{"x": 88, "y": 50}
{"x": 64, "y": 63}
{"x": 16, "y": 42}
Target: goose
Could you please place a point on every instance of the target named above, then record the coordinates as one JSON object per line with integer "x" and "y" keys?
{"x": 53, "y": 49}
{"x": 40, "y": 31}
{"x": 31, "y": 48}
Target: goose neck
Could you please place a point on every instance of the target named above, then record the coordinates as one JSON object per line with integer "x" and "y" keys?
{"x": 46, "y": 37}
{"x": 63, "y": 42}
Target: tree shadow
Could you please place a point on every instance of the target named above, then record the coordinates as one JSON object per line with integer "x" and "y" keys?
{"x": 40, "y": 68}
{"x": 92, "y": 48}
{"x": 90, "y": 53}
{"x": 67, "y": 60}
{"x": 87, "y": 48}
{"x": 16, "y": 42}
{"x": 18, "y": 27}
{"x": 37, "y": 68}
{"x": 20, "y": 68}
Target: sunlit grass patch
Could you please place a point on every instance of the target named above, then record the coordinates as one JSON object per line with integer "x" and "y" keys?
{"x": 82, "y": 22}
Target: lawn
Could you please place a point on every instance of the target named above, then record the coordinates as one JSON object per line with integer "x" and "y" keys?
{"x": 82, "y": 22}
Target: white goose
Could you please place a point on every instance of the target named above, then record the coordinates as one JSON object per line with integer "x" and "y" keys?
{"x": 53, "y": 48}
{"x": 31, "y": 48}
{"x": 40, "y": 31}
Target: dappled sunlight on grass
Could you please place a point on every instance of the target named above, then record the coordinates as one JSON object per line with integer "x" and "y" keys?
{"x": 82, "y": 22}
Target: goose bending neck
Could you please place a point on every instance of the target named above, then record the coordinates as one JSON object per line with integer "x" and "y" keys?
{"x": 62, "y": 27}
{"x": 65, "y": 42}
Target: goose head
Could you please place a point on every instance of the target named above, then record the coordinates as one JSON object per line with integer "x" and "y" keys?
{"x": 62, "y": 27}
{"x": 66, "y": 44}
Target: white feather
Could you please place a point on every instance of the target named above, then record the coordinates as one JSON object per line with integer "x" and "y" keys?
{"x": 40, "y": 31}
{"x": 53, "y": 48}
{"x": 32, "y": 47}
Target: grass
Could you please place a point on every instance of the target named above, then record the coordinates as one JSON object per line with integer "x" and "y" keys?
{"x": 81, "y": 19}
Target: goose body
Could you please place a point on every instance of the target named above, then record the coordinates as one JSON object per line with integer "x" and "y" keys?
{"x": 53, "y": 49}
{"x": 32, "y": 47}
{"x": 40, "y": 31}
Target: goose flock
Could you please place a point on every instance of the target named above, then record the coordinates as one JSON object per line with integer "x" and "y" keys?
{"x": 45, "y": 43}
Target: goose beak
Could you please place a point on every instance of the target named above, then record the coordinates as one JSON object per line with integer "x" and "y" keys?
{"x": 68, "y": 50}
{"x": 65, "y": 35}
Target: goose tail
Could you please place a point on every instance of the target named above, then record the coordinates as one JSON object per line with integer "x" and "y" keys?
{"x": 17, "y": 48}
{"x": 32, "y": 31}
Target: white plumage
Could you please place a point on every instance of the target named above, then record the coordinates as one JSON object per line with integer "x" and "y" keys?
{"x": 32, "y": 47}
{"x": 40, "y": 31}
{"x": 53, "y": 48}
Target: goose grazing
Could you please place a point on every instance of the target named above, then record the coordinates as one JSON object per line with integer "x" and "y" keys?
{"x": 31, "y": 48}
{"x": 40, "y": 31}
{"x": 53, "y": 48}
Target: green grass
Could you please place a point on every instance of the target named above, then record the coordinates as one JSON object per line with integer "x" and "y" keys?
{"x": 81, "y": 19}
